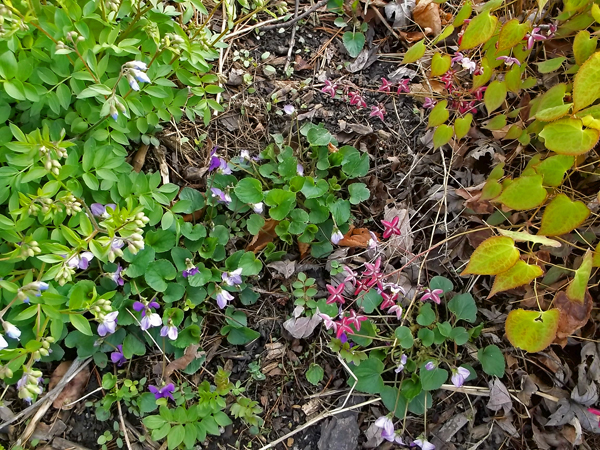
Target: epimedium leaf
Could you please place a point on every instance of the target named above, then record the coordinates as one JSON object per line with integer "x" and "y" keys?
{"x": 493, "y": 256}
{"x": 439, "y": 114}
{"x": 554, "y": 113}
{"x": 568, "y": 137}
{"x": 497, "y": 122}
{"x": 562, "y": 216}
{"x": 583, "y": 46}
{"x": 522, "y": 236}
{"x": 494, "y": 95}
{"x": 479, "y": 30}
{"x": 440, "y": 64}
{"x": 550, "y": 65}
{"x": 525, "y": 192}
{"x": 518, "y": 275}
{"x": 491, "y": 190}
{"x": 586, "y": 89}
{"x": 577, "y": 289}
{"x": 414, "y": 53}
{"x": 512, "y": 33}
{"x": 462, "y": 125}
{"x": 531, "y": 331}
{"x": 492, "y": 360}
{"x": 553, "y": 169}
{"x": 442, "y": 135}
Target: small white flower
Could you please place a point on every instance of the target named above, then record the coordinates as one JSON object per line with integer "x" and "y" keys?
{"x": 245, "y": 154}
{"x": 337, "y": 236}
{"x": 11, "y": 331}
{"x": 258, "y": 208}
{"x": 3, "y": 343}
{"x": 471, "y": 66}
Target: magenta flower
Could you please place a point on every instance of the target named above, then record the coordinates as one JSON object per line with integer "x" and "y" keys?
{"x": 328, "y": 321}
{"x": 396, "y": 309}
{"x": 533, "y": 37}
{"x": 117, "y": 356}
{"x": 428, "y": 103}
{"x": 479, "y": 92}
{"x": 459, "y": 376}
{"x": 329, "y": 88}
{"x": 448, "y": 78}
{"x": 355, "y": 319}
{"x": 509, "y": 60}
{"x": 351, "y": 275}
{"x": 360, "y": 285}
{"x": 389, "y": 300}
{"x": 357, "y": 99}
{"x": 385, "y": 86}
{"x": 391, "y": 228}
{"x": 372, "y": 270}
{"x": 466, "y": 107}
{"x": 403, "y": 360}
{"x": 377, "y": 111}
{"x": 343, "y": 327}
{"x": 433, "y": 295}
{"x": 108, "y": 324}
{"x": 594, "y": 411}
{"x": 165, "y": 391}
{"x": 335, "y": 294}
{"x": 403, "y": 86}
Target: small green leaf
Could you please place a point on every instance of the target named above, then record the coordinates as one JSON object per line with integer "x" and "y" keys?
{"x": 432, "y": 379}
{"x": 358, "y": 193}
{"x": 550, "y": 65}
{"x": 525, "y": 192}
{"x": 369, "y": 377}
{"x": 440, "y": 64}
{"x": 442, "y": 135}
{"x": 281, "y": 203}
{"x": 493, "y": 256}
{"x": 492, "y": 360}
{"x": 249, "y": 190}
{"x": 314, "y": 374}
{"x": 394, "y": 401}
{"x": 354, "y": 42}
{"x": 496, "y": 123}
{"x": 369, "y": 301}
{"x": 158, "y": 271}
{"x": 553, "y": 169}
{"x": 518, "y": 275}
{"x": 462, "y": 125}
{"x": 479, "y": 30}
{"x": 562, "y": 216}
{"x": 463, "y": 307}
{"x": 426, "y": 315}
{"x": 531, "y": 331}
{"x": 443, "y": 283}
{"x": 512, "y": 33}
{"x": 426, "y": 337}
{"x": 459, "y": 335}
{"x": 494, "y": 95}
{"x": 81, "y": 323}
{"x": 175, "y": 436}
{"x": 404, "y": 336}
{"x": 568, "y": 137}
{"x": 439, "y": 114}
{"x": 578, "y": 287}
{"x": 415, "y": 53}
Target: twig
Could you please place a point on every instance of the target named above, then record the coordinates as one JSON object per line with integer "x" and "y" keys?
{"x": 123, "y": 426}
{"x": 296, "y": 19}
{"x": 83, "y": 398}
{"x": 292, "y": 39}
{"x": 385, "y": 22}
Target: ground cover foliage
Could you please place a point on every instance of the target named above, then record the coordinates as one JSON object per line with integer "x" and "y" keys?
{"x": 219, "y": 231}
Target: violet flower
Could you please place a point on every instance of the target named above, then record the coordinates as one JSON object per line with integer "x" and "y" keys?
{"x": 430, "y": 365}
{"x": 190, "y": 272}
{"x": 116, "y": 276}
{"x": 329, "y": 88}
{"x": 509, "y": 60}
{"x": 289, "y": 109}
{"x": 433, "y": 295}
{"x": 108, "y": 324}
{"x": 387, "y": 428}
{"x": 232, "y": 278}
{"x": 377, "y": 111}
{"x": 223, "y": 297}
{"x": 403, "y": 360}
{"x": 424, "y": 444}
{"x": 428, "y": 103}
{"x": 99, "y": 210}
{"x": 215, "y": 161}
{"x": 165, "y": 391}
{"x": 224, "y": 167}
{"x": 336, "y": 236}
{"x": 335, "y": 294}
{"x": 300, "y": 169}
{"x": 117, "y": 356}
{"x": 396, "y": 309}
{"x": 459, "y": 376}
{"x": 81, "y": 261}
{"x": 169, "y": 331}
{"x": 149, "y": 317}
{"x": 222, "y": 197}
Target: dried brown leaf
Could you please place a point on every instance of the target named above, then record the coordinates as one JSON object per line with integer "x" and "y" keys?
{"x": 302, "y": 327}
{"x": 356, "y": 237}
{"x": 573, "y": 315}
{"x": 139, "y": 158}
{"x": 73, "y": 389}
{"x": 189, "y": 355}
{"x": 265, "y": 235}
{"x": 427, "y": 15}
{"x": 412, "y": 36}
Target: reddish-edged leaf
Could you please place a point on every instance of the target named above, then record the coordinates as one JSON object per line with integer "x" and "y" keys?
{"x": 518, "y": 275}
{"x": 493, "y": 256}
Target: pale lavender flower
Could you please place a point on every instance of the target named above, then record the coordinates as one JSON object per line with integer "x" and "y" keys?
{"x": 458, "y": 57}
{"x": 424, "y": 444}
{"x": 232, "y": 278}
{"x": 387, "y": 428}
{"x": 169, "y": 331}
{"x": 372, "y": 244}
{"x": 222, "y": 197}
{"x": 163, "y": 392}
{"x": 223, "y": 297}
{"x": 258, "y": 208}
{"x": 509, "y": 60}
{"x": 81, "y": 261}
{"x": 300, "y": 169}
{"x": 471, "y": 66}
{"x": 3, "y": 343}
{"x": 245, "y": 154}
{"x": 533, "y": 37}
{"x": 140, "y": 76}
{"x": 116, "y": 276}
{"x": 396, "y": 309}
{"x": 224, "y": 167}
{"x": 403, "y": 360}
{"x": 108, "y": 324}
{"x": 459, "y": 376}
{"x": 151, "y": 319}
{"x": 430, "y": 365}
{"x": 289, "y": 109}
{"x": 336, "y": 236}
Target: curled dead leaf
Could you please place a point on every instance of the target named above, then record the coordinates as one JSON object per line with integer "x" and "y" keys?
{"x": 265, "y": 235}
{"x": 189, "y": 355}
{"x": 356, "y": 237}
{"x": 73, "y": 389}
{"x": 427, "y": 15}
{"x": 412, "y": 36}
{"x": 573, "y": 315}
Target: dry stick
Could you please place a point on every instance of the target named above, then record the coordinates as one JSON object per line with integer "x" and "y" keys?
{"x": 123, "y": 426}
{"x": 292, "y": 40}
{"x": 295, "y": 19}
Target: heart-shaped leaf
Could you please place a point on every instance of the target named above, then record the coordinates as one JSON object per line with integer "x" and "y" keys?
{"x": 479, "y": 30}
{"x": 494, "y": 95}
{"x": 354, "y": 42}
{"x": 583, "y": 46}
{"x": 512, "y": 33}
{"x": 442, "y": 135}
{"x": 568, "y": 137}
{"x": 518, "y": 275}
{"x": 462, "y": 125}
{"x": 493, "y": 256}
{"x": 562, "y": 216}
{"x": 439, "y": 114}
{"x": 553, "y": 169}
{"x": 586, "y": 89}
{"x": 440, "y": 64}
{"x": 578, "y": 287}
{"x": 414, "y": 53}
{"x": 524, "y": 193}
{"x": 532, "y": 331}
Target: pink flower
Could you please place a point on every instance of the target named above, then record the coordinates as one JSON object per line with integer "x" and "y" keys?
{"x": 377, "y": 111}
{"x": 594, "y": 411}
{"x": 351, "y": 275}
{"x": 458, "y": 57}
{"x": 479, "y": 92}
{"x": 533, "y": 37}
{"x": 335, "y": 294}
{"x": 372, "y": 269}
{"x": 385, "y": 86}
{"x": 343, "y": 327}
{"x": 391, "y": 227}
{"x": 329, "y": 88}
{"x": 465, "y": 107}
{"x": 471, "y": 66}
{"x": 448, "y": 78}
{"x": 355, "y": 319}
{"x": 396, "y": 309}
{"x": 328, "y": 321}
{"x": 389, "y": 300}
{"x": 360, "y": 285}
{"x": 428, "y": 103}
{"x": 509, "y": 60}
{"x": 459, "y": 376}
{"x": 433, "y": 295}
{"x": 357, "y": 99}
{"x": 403, "y": 86}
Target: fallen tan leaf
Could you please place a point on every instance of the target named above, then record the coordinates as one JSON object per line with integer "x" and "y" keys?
{"x": 573, "y": 315}
{"x": 265, "y": 235}
{"x": 427, "y": 15}
{"x": 189, "y": 355}
{"x": 356, "y": 237}
{"x": 73, "y": 389}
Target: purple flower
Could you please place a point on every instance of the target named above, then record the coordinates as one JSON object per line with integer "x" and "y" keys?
{"x": 403, "y": 360}
{"x": 433, "y": 295}
{"x": 223, "y": 297}
{"x": 116, "y": 276}
{"x": 190, "y": 272}
{"x": 423, "y": 444}
{"x": 117, "y": 356}
{"x": 387, "y": 428}
{"x": 149, "y": 317}
{"x": 300, "y": 169}
{"x": 471, "y": 66}
{"x": 165, "y": 391}
{"x": 81, "y": 261}
{"x": 289, "y": 109}
{"x": 329, "y": 88}
{"x": 221, "y": 196}
{"x": 232, "y": 278}
{"x": 377, "y": 111}
{"x": 169, "y": 331}
{"x": 533, "y": 37}
{"x": 428, "y": 103}
{"x": 430, "y": 365}
{"x": 458, "y": 57}
{"x": 403, "y": 86}
{"x": 215, "y": 161}
{"x": 224, "y": 167}
{"x": 459, "y": 376}
{"x": 509, "y": 60}
{"x": 258, "y": 208}
{"x": 108, "y": 324}
{"x": 336, "y": 236}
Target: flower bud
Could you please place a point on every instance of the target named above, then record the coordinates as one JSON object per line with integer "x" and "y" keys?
{"x": 45, "y": 344}
{"x": 11, "y": 331}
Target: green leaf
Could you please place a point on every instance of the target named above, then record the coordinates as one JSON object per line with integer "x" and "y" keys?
{"x": 550, "y": 65}
{"x": 404, "y": 336}
{"x": 518, "y": 275}
{"x": 578, "y": 287}
{"x": 432, "y": 379}
{"x": 463, "y": 307}
{"x": 354, "y": 42}
{"x": 369, "y": 301}
{"x": 314, "y": 374}
{"x": 494, "y": 95}
{"x": 462, "y": 125}
{"x": 281, "y": 203}
{"x": 426, "y": 337}
{"x": 154, "y": 422}
{"x": 532, "y": 331}
{"x": 415, "y": 53}
{"x": 195, "y": 198}
{"x": 175, "y": 436}
{"x": 439, "y": 114}
{"x": 358, "y": 193}
{"x": 493, "y": 256}
{"x": 81, "y": 323}
{"x": 443, "y": 283}
{"x": 512, "y": 33}
{"x": 158, "y": 271}
{"x": 426, "y": 315}
{"x": 553, "y": 169}
{"x": 525, "y": 192}
{"x": 394, "y": 401}
{"x": 562, "y": 216}
{"x": 254, "y": 224}
{"x": 354, "y": 163}
{"x": 459, "y": 335}
{"x": 133, "y": 346}
{"x": 492, "y": 360}
{"x": 568, "y": 137}
{"x": 496, "y": 122}
{"x": 369, "y": 376}
{"x": 312, "y": 189}
{"x": 8, "y": 65}
{"x": 440, "y": 64}
{"x": 318, "y": 136}
{"x": 522, "y": 236}
{"x": 442, "y": 135}
{"x": 463, "y": 14}
{"x": 479, "y": 30}
{"x": 241, "y": 336}
{"x": 249, "y": 190}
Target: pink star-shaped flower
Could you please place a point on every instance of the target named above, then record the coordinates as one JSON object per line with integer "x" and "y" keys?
{"x": 377, "y": 111}
{"x": 357, "y": 99}
{"x": 403, "y": 86}
{"x": 328, "y": 322}
{"x": 343, "y": 327}
{"x": 533, "y": 37}
{"x": 329, "y": 88}
{"x": 355, "y": 319}
{"x": 509, "y": 60}
{"x": 433, "y": 295}
{"x": 351, "y": 275}
{"x": 361, "y": 285}
{"x": 391, "y": 228}
{"x": 428, "y": 103}
{"x": 372, "y": 269}
{"x": 385, "y": 85}
{"x": 389, "y": 300}
{"x": 335, "y": 294}
{"x": 396, "y": 309}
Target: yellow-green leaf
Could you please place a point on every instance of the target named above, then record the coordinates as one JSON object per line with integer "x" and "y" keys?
{"x": 586, "y": 89}
{"x": 513, "y": 79}
{"x": 553, "y": 169}
{"x": 440, "y": 64}
{"x": 555, "y": 113}
{"x": 494, "y": 95}
{"x": 518, "y": 275}
{"x": 550, "y": 99}
{"x": 462, "y": 125}
{"x": 596, "y": 12}
{"x": 514, "y": 132}
{"x": 568, "y": 137}
{"x": 479, "y": 30}
{"x": 447, "y": 31}
{"x": 497, "y": 172}
{"x": 439, "y": 114}
{"x": 596, "y": 257}
{"x": 522, "y": 236}
{"x": 496, "y": 122}
{"x": 463, "y": 14}
{"x": 442, "y": 135}
{"x": 584, "y": 46}
{"x": 493, "y": 256}
{"x": 524, "y": 193}
{"x": 550, "y": 65}
{"x": 512, "y": 33}
{"x": 414, "y": 53}
{"x": 532, "y": 331}
{"x": 562, "y": 216}
{"x": 491, "y": 189}
{"x": 576, "y": 290}
{"x": 481, "y": 80}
